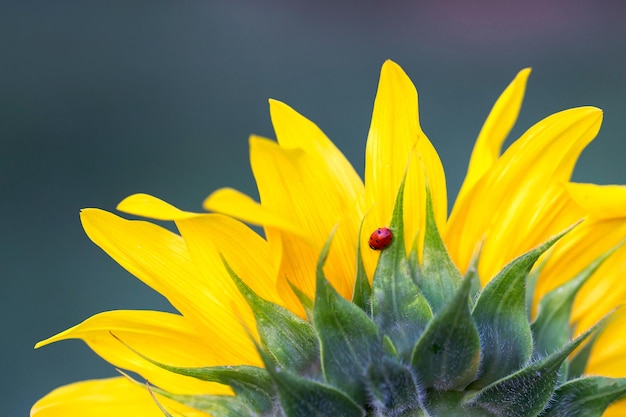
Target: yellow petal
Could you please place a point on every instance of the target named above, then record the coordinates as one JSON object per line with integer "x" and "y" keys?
{"x": 497, "y": 126}
{"x": 617, "y": 409}
{"x": 600, "y": 201}
{"x": 166, "y": 338}
{"x": 117, "y": 397}
{"x": 145, "y": 205}
{"x": 295, "y": 185}
{"x": 161, "y": 260}
{"x": 296, "y": 131}
{"x": 517, "y": 197}
{"x": 602, "y": 230}
{"x": 395, "y": 142}
{"x": 236, "y": 204}
{"x": 208, "y": 236}
{"x": 213, "y": 236}
{"x": 607, "y": 355}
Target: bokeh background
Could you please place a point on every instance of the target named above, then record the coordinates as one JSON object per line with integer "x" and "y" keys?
{"x": 99, "y": 100}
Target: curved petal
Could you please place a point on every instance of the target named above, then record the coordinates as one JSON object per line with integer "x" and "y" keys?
{"x": 293, "y": 184}
{"x": 296, "y": 131}
{"x": 604, "y": 228}
{"x": 104, "y": 398}
{"x": 210, "y": 236}
{"x": 161, "y": 260}
{"x": 607, "y": 355}
{"x": 396, "y": 145}
{"x": 166, "y": 338}
{"x": 514, "y": 200}
{"x": 239, "y": 205}
{"x": 145, "y": 205}
{"x": 497, "y": 126}
{"x": 600, "y": 201}
{"x": 213, "y": 236}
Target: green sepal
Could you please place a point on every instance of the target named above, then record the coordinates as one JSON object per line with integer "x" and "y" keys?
{"x": 531, "y": 284}
{"x": 398, "y": 306}
{"x": 362, "y": 290}
{"x": 585, "y": 397}
{"x": 440, "y": 278}
{"x": 251, "y": 384}
{"x": 414, "y": 262}
{"x": 500, "y": 315}
{"x": 526, "y": 392}
{"x": 551, "y": 329}
{"x": 388, "y": 347}
{"x": 304, "y": 397}
{"x": 349, "y": 340}
{"x": 447, "y": 354}
{"x": 392, "y": 389}
{"x": 286, "y": 337}
{"x": 305, "y": 301}
{"x": 471, "y": 274}
{"x": 450, "y": 404}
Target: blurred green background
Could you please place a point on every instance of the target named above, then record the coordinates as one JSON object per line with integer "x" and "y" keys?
{"x": 102, "y": 99}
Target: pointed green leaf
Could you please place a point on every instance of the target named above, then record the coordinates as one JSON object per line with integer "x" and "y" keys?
{"x": 307, "y": 303}
{"x": 398, "y": 306}
{"x": 551, "y": 329}
{"x": 531, "y": 284}
{"x": 288, "y": 339}
{"x": 388, "y": 347}
{"x": 393, "y": 389}
{"x": 362, "y": 289}
{"x": 304, "y": 397}
{"x": 414, "y": 262}
{"x": 440, "y": 278}
{"x": 349, "y": 339}
{"x": 526, "y": 392}
{"x": 586, "y": 397}
{"x": 472, "y": 275}
{"x": 500, "y": 315}
{"x": 448, "y": 353}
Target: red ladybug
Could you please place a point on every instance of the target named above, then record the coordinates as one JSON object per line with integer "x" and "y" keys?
{"x": 381, "y": 238}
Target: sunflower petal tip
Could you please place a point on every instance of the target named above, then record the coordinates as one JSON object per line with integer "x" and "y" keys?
{"x": 522, "y": 75}
{"x": 89, "y": 213}
{"x": 391, "y": 66}
{"x": 131, "y": 200}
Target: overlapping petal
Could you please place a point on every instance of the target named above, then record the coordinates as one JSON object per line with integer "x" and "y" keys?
{"x": 105, "y": 398}
{"x": 307, "y": 187}
{"x": 603, "y": 229}
{"x": 511, "y": 208}
{"x": 162, "y": 260}
{"x": 397, "y": 146}
{"x": 209, "y": 237}
{"x": 494, "y": 132}
{"x": 163, "y": 337}
{"x": 507, "y": 205}
{"x": 292, "y": 182}
{"x": 607, "y": 356}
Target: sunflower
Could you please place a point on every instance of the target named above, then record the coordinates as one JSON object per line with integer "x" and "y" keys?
{"x": 259, "y": 329}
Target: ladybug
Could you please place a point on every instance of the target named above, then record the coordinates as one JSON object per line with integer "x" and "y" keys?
{"x": 381, "y": 238}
